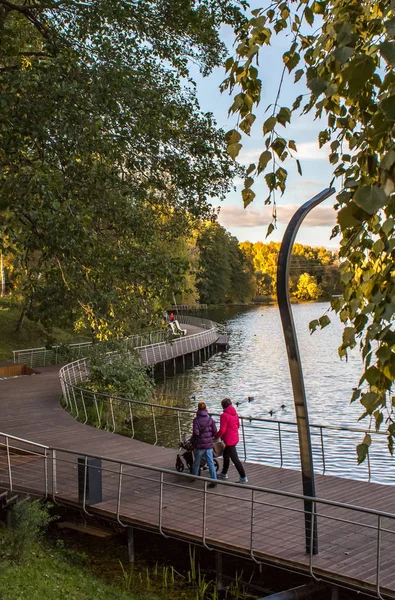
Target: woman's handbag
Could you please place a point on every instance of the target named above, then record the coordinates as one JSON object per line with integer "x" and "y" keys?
{"x": 218, "y": 448}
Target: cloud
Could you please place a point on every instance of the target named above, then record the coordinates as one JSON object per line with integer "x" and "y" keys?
{"x": 306, "y": 151}
{"x": 311, "y": 151}
{"x": 235, "y": 216}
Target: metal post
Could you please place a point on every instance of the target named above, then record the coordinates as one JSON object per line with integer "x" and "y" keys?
{"x": 219, "y": 576}
{"x": 9, "y": 463}
{"x": 295, "y": 366}
{"x": 131, "y": 544}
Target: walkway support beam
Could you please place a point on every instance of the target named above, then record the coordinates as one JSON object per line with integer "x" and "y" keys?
{"x": 295, "y": 365}
{"x": 303, "y": 592}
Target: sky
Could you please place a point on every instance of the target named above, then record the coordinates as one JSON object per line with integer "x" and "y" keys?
{"x": 251, "y": 224}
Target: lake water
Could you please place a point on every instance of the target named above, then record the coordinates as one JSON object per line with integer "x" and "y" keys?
{"x": 256, "y": 366}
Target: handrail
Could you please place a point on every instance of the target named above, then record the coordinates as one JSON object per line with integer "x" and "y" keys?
{"x": 242, "y": 486}
{"x": 61, "y": 481}
{"x": 42, "y": 356}
{"x": 278, "y": 434}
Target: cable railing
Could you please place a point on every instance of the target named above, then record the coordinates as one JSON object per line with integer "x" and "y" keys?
{"x": 269, "y": 522}
{"x": 269, "y": 441}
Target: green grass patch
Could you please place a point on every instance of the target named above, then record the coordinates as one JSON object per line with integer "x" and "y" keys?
{"x": 33, "y": 334}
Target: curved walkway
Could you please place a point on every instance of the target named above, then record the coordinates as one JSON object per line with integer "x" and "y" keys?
{"x": 166, "y": 501}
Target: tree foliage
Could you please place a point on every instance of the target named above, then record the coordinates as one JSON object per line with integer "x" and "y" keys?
{"x": 105, "y": 156}
{"x": 319, "y": 264}
{"x": 344, "y": 52}
{"x": 224, "y": 274}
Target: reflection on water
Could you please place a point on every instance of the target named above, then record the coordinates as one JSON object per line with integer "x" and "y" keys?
{"x": 256, "y": 366}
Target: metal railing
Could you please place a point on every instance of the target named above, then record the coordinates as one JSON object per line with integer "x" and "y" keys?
{"x": 40, "y": 357}
{"x": 62, "y": 474}
{"x": 53, "y": 355}
{"x": 189, "y": 307}
{"x": 264, "y": 440}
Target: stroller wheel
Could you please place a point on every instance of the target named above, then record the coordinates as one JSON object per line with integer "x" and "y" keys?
{"x": 216, "y": 464}
{"x": 179, "y": 465}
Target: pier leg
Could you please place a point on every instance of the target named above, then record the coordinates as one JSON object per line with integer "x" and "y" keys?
{"x": 193, "y": 359}
{"x": 164, "y": 371}
{"x": 174, "y": 367}
{"x": 219, "y": 576}
{"x": 183, "y": 363}
{"x": 335, "y": 593}
{"x": 131, "y": 544}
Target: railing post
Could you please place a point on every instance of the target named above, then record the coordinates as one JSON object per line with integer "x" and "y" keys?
{"x": 54, "y": 474}
{"x": 46, "y": 472}
{"x": 244, "y": 439}
{"x": 280, "y": 443}
{"x": 322, "y": 450}
{"x": 9, "y": 463}
{"x": 378, "y": 561}
{"x": 295, "y": 366}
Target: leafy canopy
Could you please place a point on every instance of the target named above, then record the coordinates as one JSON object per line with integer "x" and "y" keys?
{"x": 344, "y": 52}
{"x": 105, "y": 156}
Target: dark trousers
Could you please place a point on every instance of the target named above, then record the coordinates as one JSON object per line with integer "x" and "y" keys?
{"x": 230, "y": 454}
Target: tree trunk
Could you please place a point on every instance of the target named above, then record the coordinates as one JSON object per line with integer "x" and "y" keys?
{"x": 19, "y": 325}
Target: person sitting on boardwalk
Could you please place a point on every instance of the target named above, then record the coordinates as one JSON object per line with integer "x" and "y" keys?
{"x": 229, "y": 431}
{"x": 204, "y": 430}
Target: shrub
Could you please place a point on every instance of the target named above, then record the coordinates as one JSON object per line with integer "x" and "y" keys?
{"x": 29, "y": 519}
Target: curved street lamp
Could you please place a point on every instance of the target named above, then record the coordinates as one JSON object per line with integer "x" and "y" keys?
{"x": 295, "y": 365}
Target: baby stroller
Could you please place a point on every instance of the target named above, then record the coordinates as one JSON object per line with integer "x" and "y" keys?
{"x": 186, "y": 457}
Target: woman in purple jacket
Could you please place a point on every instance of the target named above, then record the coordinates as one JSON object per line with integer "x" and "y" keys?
{"x": 204, "y": 430}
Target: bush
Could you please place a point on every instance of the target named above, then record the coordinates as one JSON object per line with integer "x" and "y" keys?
{"x": 119, "y": 372}
{"x": 29, "y": 519}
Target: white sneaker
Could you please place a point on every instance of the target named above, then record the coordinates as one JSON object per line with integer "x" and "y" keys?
{"x": 223, "y": 476}
{"x": 242, "y": 480}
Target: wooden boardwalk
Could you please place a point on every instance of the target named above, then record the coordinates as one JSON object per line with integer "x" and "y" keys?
{"x": 30, "y": 409}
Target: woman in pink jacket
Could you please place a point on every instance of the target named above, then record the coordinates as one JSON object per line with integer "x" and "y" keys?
{"x": 229, "y": 431}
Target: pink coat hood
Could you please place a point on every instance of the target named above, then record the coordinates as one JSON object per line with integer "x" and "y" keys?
{"x": 229, "y": 426}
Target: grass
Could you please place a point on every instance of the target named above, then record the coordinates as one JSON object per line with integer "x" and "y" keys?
{"x": 49, "y": 573}
{"x": 32, "y": 335}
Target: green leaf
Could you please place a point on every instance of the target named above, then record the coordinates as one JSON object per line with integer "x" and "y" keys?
{"x": 384, "y": 354}
{"x": 269, "y": 125}
{"x": 347, "y": 217}
{"x": 299, "y": 166}
{"x": 278, "y": 145}
{"x": 370, "y": 198}
{"x": 270, "y": 229}
{"x": 317, "y": 85}
{"x": 284, "y": 116}
{"x": 313, "y": 325}
{"x": 387, "y": 50}
{"x": 355, "y": 395}
{"x": 390, "y": 27}
{"x": 308, "y": 15}
{"x": 292, "y": 145}
{"x": 232, "y": 137}
{"x": 264, "y": 159}
{"x": 358, "y": 71}
{"x": 343, "y": 54}
{"x": 248, "y": 182}
{"x": 250, "y": 169}
{"x": 233, "y": 150}
{"x": 362, "y": 452}
{"x": 228, "y": 63}
{"x": 388, "y": 107}
{"x": 248, "y": 196}
{"x": 370, "y": 401}
{"x": 324, "y": 321}
{"x": 318, "y": 8}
